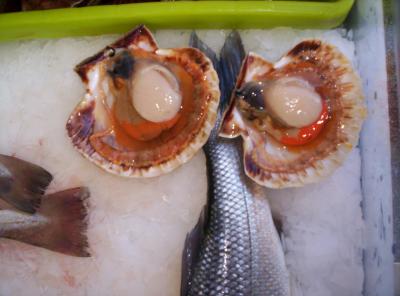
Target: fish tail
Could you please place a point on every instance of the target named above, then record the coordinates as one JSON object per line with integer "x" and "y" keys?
{"x": 67, "y": 212}
{"x": 64, "y": 231}
{"x": 228, "y": 66}
{"x": 22, "y": 184}
{"x": 196, "y": 42}
{"x": 231, "y": 57}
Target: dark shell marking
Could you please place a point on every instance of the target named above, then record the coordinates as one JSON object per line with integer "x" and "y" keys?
{"x": 123, "y": 66}
{"x": 139, "y": 34}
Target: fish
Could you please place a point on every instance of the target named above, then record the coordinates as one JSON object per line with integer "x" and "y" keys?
{"x": 59, "y": 224}
{"x": 234, "y": 249}
{"x": 22, "y": 184}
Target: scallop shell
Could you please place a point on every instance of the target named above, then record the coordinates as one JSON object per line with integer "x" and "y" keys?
{"x": 90, "y": 129}
{"x": 274, "y": 165}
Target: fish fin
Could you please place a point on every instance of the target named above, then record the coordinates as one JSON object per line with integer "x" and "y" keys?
{"x": 228, "y": 66}
{"x": 231, "y": 57}
{"x": 196, "y": 42}
{"x": 279, "y": 230}
{"x": 64, "y": 229}
{"x": 191, "y": 251}
{"x": 22, "y": 183}
{"x": 278, "y": 225}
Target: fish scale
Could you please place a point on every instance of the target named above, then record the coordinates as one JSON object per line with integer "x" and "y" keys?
{"x": 227, "y": 247}
{"x": 234, "y": 249}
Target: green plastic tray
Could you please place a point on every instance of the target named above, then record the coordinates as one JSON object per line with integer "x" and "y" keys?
{"x": 98, "y": 20}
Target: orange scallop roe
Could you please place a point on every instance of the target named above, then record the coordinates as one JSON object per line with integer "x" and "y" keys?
{"x": 308, "y": 133}
{"x": 147, "y": 130}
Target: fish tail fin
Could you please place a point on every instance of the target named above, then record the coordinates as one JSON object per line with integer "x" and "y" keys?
{"x": 231, "y": 57}
{"x": 22, "y": 183}
{"x": 65, "y": 223}
{"x": 67, "y": 212}
{"x": 191, "y": 251}
{"x": 228, "y": 66}
{"x": 196, "y": 42}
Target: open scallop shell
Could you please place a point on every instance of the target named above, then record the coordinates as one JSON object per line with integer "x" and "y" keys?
{"x": 91, "y": 129}
{"x": 274, "y": 165}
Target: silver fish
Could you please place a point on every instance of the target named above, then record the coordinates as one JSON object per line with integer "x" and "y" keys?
{"x": 234, "y": 249}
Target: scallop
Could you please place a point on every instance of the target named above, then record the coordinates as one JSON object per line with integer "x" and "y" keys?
{"x": 298, "y": 117}
{"x": 146, "y": 110}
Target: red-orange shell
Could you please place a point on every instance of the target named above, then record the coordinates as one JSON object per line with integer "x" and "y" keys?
{"x": 89, "y": 121}
{"x": 274, "y": 165}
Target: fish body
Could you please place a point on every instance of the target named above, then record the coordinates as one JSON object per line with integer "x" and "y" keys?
{"x": 234, "y": 249}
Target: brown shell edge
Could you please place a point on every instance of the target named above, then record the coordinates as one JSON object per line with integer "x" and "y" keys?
{"x": 139, "y": 34}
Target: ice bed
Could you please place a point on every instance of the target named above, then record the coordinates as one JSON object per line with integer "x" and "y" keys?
{"x": 365, "y": 239}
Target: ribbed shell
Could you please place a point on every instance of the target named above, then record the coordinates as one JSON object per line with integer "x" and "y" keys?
{"x": 90, "y": 118}
{"x": 274, "y": 165}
